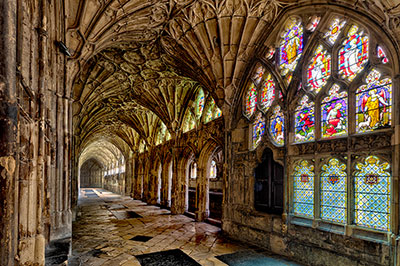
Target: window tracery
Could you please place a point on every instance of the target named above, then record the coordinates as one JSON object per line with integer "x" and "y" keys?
{"x": 343, "y": 89}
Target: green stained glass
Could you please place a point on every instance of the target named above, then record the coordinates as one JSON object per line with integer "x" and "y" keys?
{"x": 372, "y": 194}
{"x": 333, "y": 191}
{"x": 303, "y": 181}
{"x": 304, "y": 121}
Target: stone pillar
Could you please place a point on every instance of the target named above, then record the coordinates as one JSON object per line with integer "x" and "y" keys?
{"x": 8, "y": 134}
{"x": 178, "y": 182}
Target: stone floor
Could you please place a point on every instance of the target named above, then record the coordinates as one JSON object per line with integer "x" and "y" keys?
{"x": 115, "y": 230}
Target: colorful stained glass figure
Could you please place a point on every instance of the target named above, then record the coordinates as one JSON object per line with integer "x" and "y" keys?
{"x": 267, "y": 93}
{"x": 276, "y": 126}
{"x": 354, "y": 54}
{"x": 304, "y": 121}
{"x": 372, "y": 194}
{"x": 314, "y": 21}
{"x": 259, "y": 73}
{"x": 334, "y": 30}
{"x": 303, "y": 181}
{"x": 251, "y": 100}
{"x": 319, "y": 69}
{"x": 374, "y": 103}
{"x": 333, "y": 191}
{"x": 382, "y": 55}
{"x": 217, "y": 112}
{"x": 258, "y": 129}
{"x": 334, "y": 113}
{"x": 291, "y": 47}
{"x": 213, "y": 169}
{"x": 200, "y": 101}
{"x": 270, "y": 53}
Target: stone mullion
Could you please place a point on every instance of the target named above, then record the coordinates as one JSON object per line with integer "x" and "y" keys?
{"x": 66, "y": 167}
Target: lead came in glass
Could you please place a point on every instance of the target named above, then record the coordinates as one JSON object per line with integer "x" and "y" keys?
{"x": 319, "y": 70}
{"x": 276, "y": 127}
{"x": 372, "y": 194}
{"x": 303, "y": 200}
{"x": 258, "y": 129}
{"x": 334, "y": 113}
{"x": 251, "y": 100}
{"x": 304, "y": 121}
{"x": 333, "y": 191}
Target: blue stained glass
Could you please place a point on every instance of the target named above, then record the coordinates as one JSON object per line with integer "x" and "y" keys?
{"x": 258, "y": 129}
{"x": 333, "y": 191}
{"x": 372, "y": 194}
{"x": 303, "y": 198}
{"x": 304, "y": 121}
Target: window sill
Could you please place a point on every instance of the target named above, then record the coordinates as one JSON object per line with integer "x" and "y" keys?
{"x": 348, "y": 230}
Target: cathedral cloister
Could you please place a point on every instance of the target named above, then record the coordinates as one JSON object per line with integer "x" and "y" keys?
{"x": 199, "y": 132}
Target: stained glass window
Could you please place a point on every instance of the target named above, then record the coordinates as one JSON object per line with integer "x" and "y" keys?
{"x": 319, "y": 70}
{"x": 276, "y": 126}
{"x": 313, "y": 23}
{"x": 193, "y": 170}
{"x": 354, "y": 54}
{"x": 334, "y": 113}
{"x": 208, "y": 112}
{"x": 251, "y": 100}
{"x": 267, "y": 93}
{"x": 217, "y": 112}
{"x": 304, "y": 121}
{"x": 213, "y": 169}
{"x": 291, "y": 48}
{"x": 303, "y": 198}
{"x": 372, "y": 194}
{"x": 382, "y": 55}
{"x": 270, "y": 53}
{"x": 334, "y": 30}
{"x": 200, "y": 101}
{"x": 333, "y": 191}
{"x": 374, "y": 102}
{"x": 258, "y": 129}
{"x": 259, "y": 73}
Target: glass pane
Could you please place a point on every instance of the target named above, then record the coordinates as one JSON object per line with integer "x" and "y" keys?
{"x": 319, "y": 70}
{"x": 372, "y": 194}
{"x": 276, "y": 129}
{"x": 304, "y": 121}
{"x": 251, "y": 100}
{"x": 303, "y": 198}
{"x": 200, "y": 100}
{"x": 334, "y": 30}
{"x": 291, "y": 47}
{"x": 333, "y": 191}
{"x": 313, "y": 23}
{"x": 382, "y": 55}
{"x": 374, "y": 103}
{"x": 258, "y": 129}
{"x": 267, "y": 93}
{"x": 213, "y": 169}
{"x": 354, "y": 54}
{"x": 334, "y": 113}
{"x": 259, "y": 73}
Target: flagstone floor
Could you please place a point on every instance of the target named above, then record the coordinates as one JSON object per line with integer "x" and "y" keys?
{"x": 115, "y": 230}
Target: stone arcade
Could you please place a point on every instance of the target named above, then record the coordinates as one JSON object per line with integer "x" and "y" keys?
{"x": 277, "y": 121}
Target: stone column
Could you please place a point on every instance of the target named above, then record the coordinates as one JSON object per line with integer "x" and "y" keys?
{"x": 8, "y": 134}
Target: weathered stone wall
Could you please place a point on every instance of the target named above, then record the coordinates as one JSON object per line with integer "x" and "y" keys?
{"x": 35, "y": 135}
{"x": 91, "y": 174}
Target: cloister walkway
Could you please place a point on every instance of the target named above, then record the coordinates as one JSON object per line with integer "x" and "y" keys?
{"x": 116, "y": 230}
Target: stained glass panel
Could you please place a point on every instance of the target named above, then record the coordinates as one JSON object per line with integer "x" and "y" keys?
{"x": 382, "y": 55}
{"x": 259, "y": 73}
{"x": 251, "y": 100}
{"x": 374, "y": 102}
{"x": 276, "y": 128}
{"x": 334, "y": 30}
{"x": 334, "y": 113}
{"x": 208, "y": 111}
{"x": 270, "y": 53}
{"x": 319, "y": 70}
{"x": 217, "y": 112}
{"x": 258, "y": 129}
{"x": 354, "y": 54}
{"x": 333, "y": 191}
{"x": 303, "y": 198}
{"x": 313, "y": 23}
{"x": 267, "y": 93}
{"x": 200, "y": 101}
{"x": 213, "y": 169}
{"x": 291, "y": 47}
{"x": 372, "y": 194}
{"x": 304, "y": 121}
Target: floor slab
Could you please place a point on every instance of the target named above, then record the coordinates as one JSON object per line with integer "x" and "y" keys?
{"x": 104, "y": 236}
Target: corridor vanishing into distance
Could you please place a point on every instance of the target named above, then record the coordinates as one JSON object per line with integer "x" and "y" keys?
{"x": 115, "y": 230}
